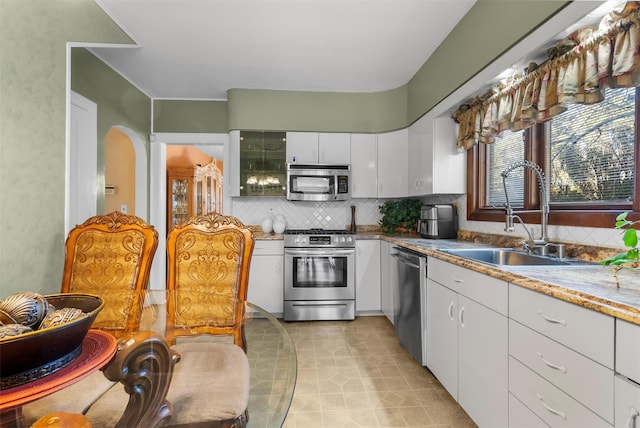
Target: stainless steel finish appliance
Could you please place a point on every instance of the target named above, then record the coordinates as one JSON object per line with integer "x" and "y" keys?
{"x": 410, "y": 302}
{"x": 319, "y": 275}
{"x": 438, "y": 222}
{"x": 317, "y": 182}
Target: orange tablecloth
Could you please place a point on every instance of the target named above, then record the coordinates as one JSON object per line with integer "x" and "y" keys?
{"x": 98, "y": 348}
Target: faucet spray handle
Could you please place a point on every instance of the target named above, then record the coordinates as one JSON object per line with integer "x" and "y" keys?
{"x": 508, "y": 219}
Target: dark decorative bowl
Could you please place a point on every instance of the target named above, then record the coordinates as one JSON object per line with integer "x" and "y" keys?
{"x": 35, "y": 354}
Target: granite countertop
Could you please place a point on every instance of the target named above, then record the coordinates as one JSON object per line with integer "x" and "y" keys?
{"x": 590, "y": 286}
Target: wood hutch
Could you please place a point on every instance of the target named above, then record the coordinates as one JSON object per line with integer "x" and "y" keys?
{"x": 193, "y": 190}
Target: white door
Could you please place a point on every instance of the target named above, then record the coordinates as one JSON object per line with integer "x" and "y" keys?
{"x": 82, "y": 162}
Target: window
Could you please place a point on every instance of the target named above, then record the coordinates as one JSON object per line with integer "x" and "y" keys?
{"x": 590, "y": 157}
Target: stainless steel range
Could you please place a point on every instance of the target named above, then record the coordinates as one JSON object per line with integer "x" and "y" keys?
{"x": 319, "y": 275}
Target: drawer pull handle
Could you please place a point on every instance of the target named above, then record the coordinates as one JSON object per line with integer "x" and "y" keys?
{"x": 631, "y": 423}
{"x": 458, "y": 280}
{"x": 451, "y": 311}
{"x": 551, "y": 409}
{"x": 461, "y": 316}
{"x": 550, "y": 364}
{"x": 552, "y": 320}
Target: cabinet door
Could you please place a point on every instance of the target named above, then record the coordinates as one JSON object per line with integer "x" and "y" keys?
{"x": 386, "y": 301}
{"x": 442, "y": 335}
{"x": 302, "y": 147}
{"x": 364, "y": 166}
{"x": 393, "y": 154}
{"x": 627, "y": 403}
{"x": 334, "y": 148}
{"x": 266, "y": 278}
{"x": 262, "y": 163}
{"x": 483, "y": 363}
{"x": 368, "y": 276}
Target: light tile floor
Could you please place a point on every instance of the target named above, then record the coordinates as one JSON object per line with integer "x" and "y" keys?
{"x": 356, "y": 374}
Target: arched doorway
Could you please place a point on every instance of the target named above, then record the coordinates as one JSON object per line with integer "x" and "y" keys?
{"x": 125, "y": 161}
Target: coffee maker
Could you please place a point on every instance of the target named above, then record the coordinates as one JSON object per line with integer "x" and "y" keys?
{"x": 438, "y": 222}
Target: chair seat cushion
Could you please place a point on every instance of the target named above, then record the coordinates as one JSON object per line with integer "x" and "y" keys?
{"x": 210, "y": 383}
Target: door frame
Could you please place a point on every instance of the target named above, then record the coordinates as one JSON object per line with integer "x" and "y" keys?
{"x": 158, "y": 190}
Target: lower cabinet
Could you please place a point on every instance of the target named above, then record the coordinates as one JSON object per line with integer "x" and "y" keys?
{"x": 627, "y": 403}
{"x": 368, "y": 277}
{"x": 386, "y": 272}
{"x": 266, "y": 276}
{"x": 467, "y": 342}
{"x": 561, "y": 360}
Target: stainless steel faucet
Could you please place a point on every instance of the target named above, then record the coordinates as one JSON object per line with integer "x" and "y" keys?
{"x": 542, "y": 244}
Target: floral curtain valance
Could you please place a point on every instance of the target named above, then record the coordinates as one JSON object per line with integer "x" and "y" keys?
{"x": 579, "y": 69}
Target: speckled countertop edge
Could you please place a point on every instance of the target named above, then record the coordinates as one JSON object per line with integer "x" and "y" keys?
{"x": 591, "y": 286}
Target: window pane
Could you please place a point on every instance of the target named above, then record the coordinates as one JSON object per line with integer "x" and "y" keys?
{"x": 592, "y": 151}
{"x": 506, "y": 150}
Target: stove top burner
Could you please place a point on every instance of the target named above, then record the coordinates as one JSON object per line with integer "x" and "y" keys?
{"x": 318, "y": 231}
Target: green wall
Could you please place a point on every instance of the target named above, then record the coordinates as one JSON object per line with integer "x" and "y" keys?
{"x": 193, "y": 116}
{"x": 119, "y": 103}
{"x": 33, "y": 38}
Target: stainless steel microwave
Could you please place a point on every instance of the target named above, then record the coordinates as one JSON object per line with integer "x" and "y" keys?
{"x": 318, "y": 182}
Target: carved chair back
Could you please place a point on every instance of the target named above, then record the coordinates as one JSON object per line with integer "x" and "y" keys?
{"x": 208, "y": 274}
{"x": 110, "y": 256}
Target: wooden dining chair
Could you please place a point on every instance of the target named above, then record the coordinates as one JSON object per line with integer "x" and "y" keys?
{"x": 110, "y": 256}
{"x": 208, "y": 272}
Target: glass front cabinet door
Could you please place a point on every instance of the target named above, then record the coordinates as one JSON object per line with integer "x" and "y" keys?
{"x": 263, "y": 170}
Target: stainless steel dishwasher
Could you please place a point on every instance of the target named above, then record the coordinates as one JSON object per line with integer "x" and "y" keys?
{"x": 410, "y": 302}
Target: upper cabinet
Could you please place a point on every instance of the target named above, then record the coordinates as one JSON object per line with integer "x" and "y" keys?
{"x": 364, "y": 166}
{"x": 393, "y": 153}
{"x": 434, "y": 164}
{"x": 318, "y": 147}
{"x": 262, "y": 165}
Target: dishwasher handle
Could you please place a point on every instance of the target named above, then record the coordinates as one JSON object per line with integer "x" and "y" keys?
{"x": 409, "y": 259}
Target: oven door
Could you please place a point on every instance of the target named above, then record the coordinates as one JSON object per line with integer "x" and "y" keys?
{"x": 319, "y": 273}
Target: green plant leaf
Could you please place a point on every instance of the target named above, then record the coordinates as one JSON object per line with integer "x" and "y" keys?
{"x": 618, "y": 259}
{"x": 622, "y": 216}
{"x": 630, "y": 238}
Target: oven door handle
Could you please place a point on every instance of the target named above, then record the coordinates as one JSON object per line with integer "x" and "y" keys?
{"x": 331, "y": 252}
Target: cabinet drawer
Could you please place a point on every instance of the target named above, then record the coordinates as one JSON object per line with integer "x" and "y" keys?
{"x": 628, "y": 350}
{"x": 521, "y": 417}
{"x": 585, "y": 380}
{"x": 265, "y": 247}
{"x": 484, "y": 289}
{"x": 589, "y": 332}
{"x": 549, "y": 403}
{"x": 627, "y": 403}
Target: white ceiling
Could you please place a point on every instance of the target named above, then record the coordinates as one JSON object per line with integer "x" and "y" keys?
{"x": 198, "y": 49}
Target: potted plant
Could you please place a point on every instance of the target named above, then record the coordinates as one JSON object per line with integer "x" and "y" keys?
{"x": 631, "y": 258}
{"x": 400, "y": 215}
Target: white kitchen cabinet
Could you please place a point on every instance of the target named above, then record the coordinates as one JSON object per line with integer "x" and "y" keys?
{"x": 266, "y": 276}
{"x": 520, "y": 416}
{"x": 323, "y": 147}
{"x": 561, "y": 359}
{"x": 628, "y": 350}
{"x": 368, "y": 277}
{"x": 467, "y": 309}
{"x": 442, "y": 334}
{"x": 393, "y": 155}
{"x": 364, "y": 166}
{"x": 627, "y": 403}
{"x": 386, "y": 295}
{"x": 434, "y": 164}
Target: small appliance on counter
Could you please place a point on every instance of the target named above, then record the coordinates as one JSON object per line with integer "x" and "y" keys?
{"x": 438, "y": 222}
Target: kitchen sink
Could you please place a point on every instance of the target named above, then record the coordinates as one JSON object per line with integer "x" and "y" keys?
{"x": 513, "y": 257}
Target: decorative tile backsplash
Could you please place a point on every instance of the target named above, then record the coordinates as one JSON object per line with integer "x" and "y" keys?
{"x": 337, "y": 215}
{"x": 305, "y": 215}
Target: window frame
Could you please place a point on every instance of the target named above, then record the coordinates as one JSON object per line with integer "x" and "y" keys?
{"x": 559, "y": 214}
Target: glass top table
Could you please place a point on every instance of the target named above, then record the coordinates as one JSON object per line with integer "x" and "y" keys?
{"x": 270, "y": 351}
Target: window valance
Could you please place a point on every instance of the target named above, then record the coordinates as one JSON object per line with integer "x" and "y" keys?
{"x": 577, "y": 71}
